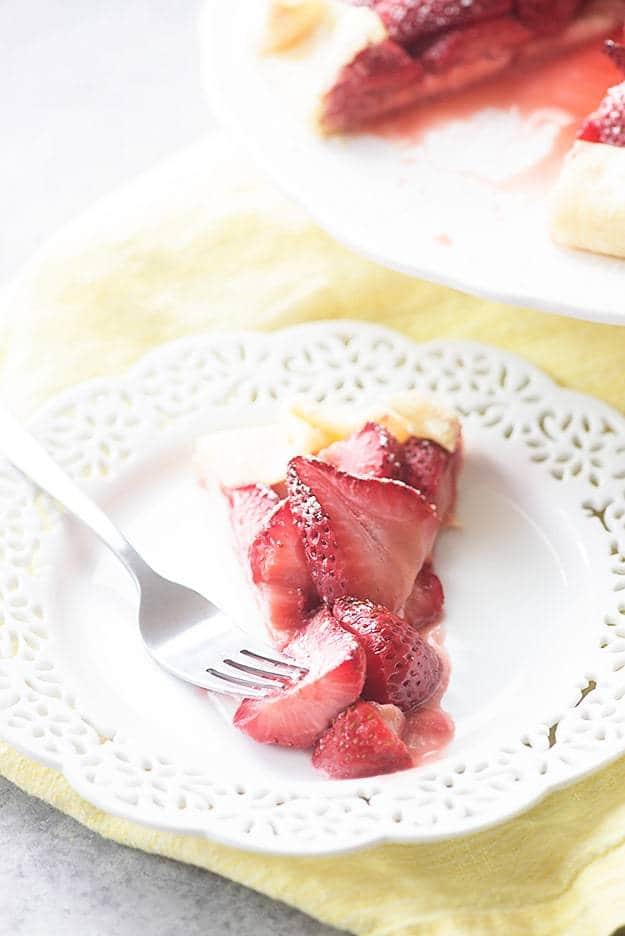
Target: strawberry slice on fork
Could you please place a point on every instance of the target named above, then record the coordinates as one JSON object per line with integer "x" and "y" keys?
{"x": 297, "y": 715}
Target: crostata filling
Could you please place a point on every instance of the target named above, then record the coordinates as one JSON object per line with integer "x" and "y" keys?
{"x": 338, "y": 549}
{"x": 376, "y": 57}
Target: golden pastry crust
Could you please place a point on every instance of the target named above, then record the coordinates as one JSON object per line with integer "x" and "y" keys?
{"x": 588, "y": 210}
{"x": 404, "y": 415}
{"x": 290, "y": 22}
{"x": 254, "y": 454}
{"x": 310, "y": 41}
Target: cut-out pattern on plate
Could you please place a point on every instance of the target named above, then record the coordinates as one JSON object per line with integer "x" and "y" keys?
{"x": 97, "y": 430}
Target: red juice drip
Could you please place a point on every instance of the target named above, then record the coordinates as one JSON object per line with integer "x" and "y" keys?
{"x": 574, "y": 82}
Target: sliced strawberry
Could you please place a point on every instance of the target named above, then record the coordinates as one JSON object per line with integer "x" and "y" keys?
{"x": 295, "y": 717}
{"x": 546, "y": 16}
{"x": 476, "y": 51}
{"x": 365, "y": 537}
{"x": 426, "y": 600}
{"x": 280, "y": 571}
{"x": 433, "y": 471}
{"x": 250, "y": 506}
{"x": 373, "y": 452}
{"x": 363, "y": 741}
{"x": 380, "y": 78}
{"x": 407, "y": 21}
{"x": 607, "y": 123}
{"x": 402, "y": 669}
{"x": 426, "y": 732}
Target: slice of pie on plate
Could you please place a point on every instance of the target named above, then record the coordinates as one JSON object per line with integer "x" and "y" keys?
{"x": 335, "y": 516}
{"x": 355, "y": 61}
{"x": 589, "y": 199}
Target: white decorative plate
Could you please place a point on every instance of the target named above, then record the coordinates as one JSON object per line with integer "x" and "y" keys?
{"x": 535, "y": 605}
{"x": 448, "y": 208}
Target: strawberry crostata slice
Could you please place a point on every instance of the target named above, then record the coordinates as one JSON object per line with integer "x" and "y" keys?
{"x": 356, "y": 61}
{"x": 589, "y": 199}
{"x": 337, "y": 544}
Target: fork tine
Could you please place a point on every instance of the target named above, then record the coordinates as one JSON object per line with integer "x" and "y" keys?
{"x": 254, "y": 671}
{"x": 244, "y": 683}
{"x": 273, "y": 662}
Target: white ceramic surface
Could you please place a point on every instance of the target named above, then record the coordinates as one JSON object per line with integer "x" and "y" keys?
{"x": 535, "y": 614}
{"x": 442, "y": 208}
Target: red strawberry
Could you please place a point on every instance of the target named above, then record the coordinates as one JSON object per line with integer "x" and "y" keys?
{"x": 607, "y": 124}
{"x": 295, "y": 717}
{"x": 426, "y": 732}
{"x": 475, "y": 51}
{"x": 432, "y": 470}
{"x": 363, "y": 741}
{"x": 407, "y": 21}
{"x": 250, "y": 505}
{"x": 373, "y": 452}
{"x": 381, "y": 78}
{"x": 366, "y": 537}
{"x": 402, "y": 669}
{"x": 546, "y": 16}
{"x": 426, "y": 600}
{"x": 280, "y": 571}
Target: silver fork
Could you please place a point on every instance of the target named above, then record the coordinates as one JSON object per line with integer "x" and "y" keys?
{"x": 186, "y": 633}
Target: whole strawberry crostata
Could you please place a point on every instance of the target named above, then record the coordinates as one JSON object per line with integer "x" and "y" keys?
{"x": 359, "y": 60}
{"x": 589, "y": 199}
{"x": 336, "y": 532}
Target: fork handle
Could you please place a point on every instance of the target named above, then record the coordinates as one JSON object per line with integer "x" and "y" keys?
{"x": 27, "y": 454}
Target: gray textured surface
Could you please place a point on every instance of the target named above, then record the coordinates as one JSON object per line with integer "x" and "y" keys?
{"x": 58, "y": 877}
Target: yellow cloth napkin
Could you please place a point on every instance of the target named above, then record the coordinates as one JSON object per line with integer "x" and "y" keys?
{"x": 204, "y": 243}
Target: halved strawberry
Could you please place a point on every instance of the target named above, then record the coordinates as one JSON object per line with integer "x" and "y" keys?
{"x": 407, "y": 21}
{"x": 372, "y": 451}
{"x": 295, "y": 717}
{"x": 607, "y": 123}
{"x": 280, "y": 571}
{"x": 432, "y": 470}
{"x": 250, "y": 506}
{"x": 402, "y": 669}
{"x": 546, "y": 16}
{"x": 363, "y": 741}
{"x": 426, "y": 600}
{"x": 366, "y": 537}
